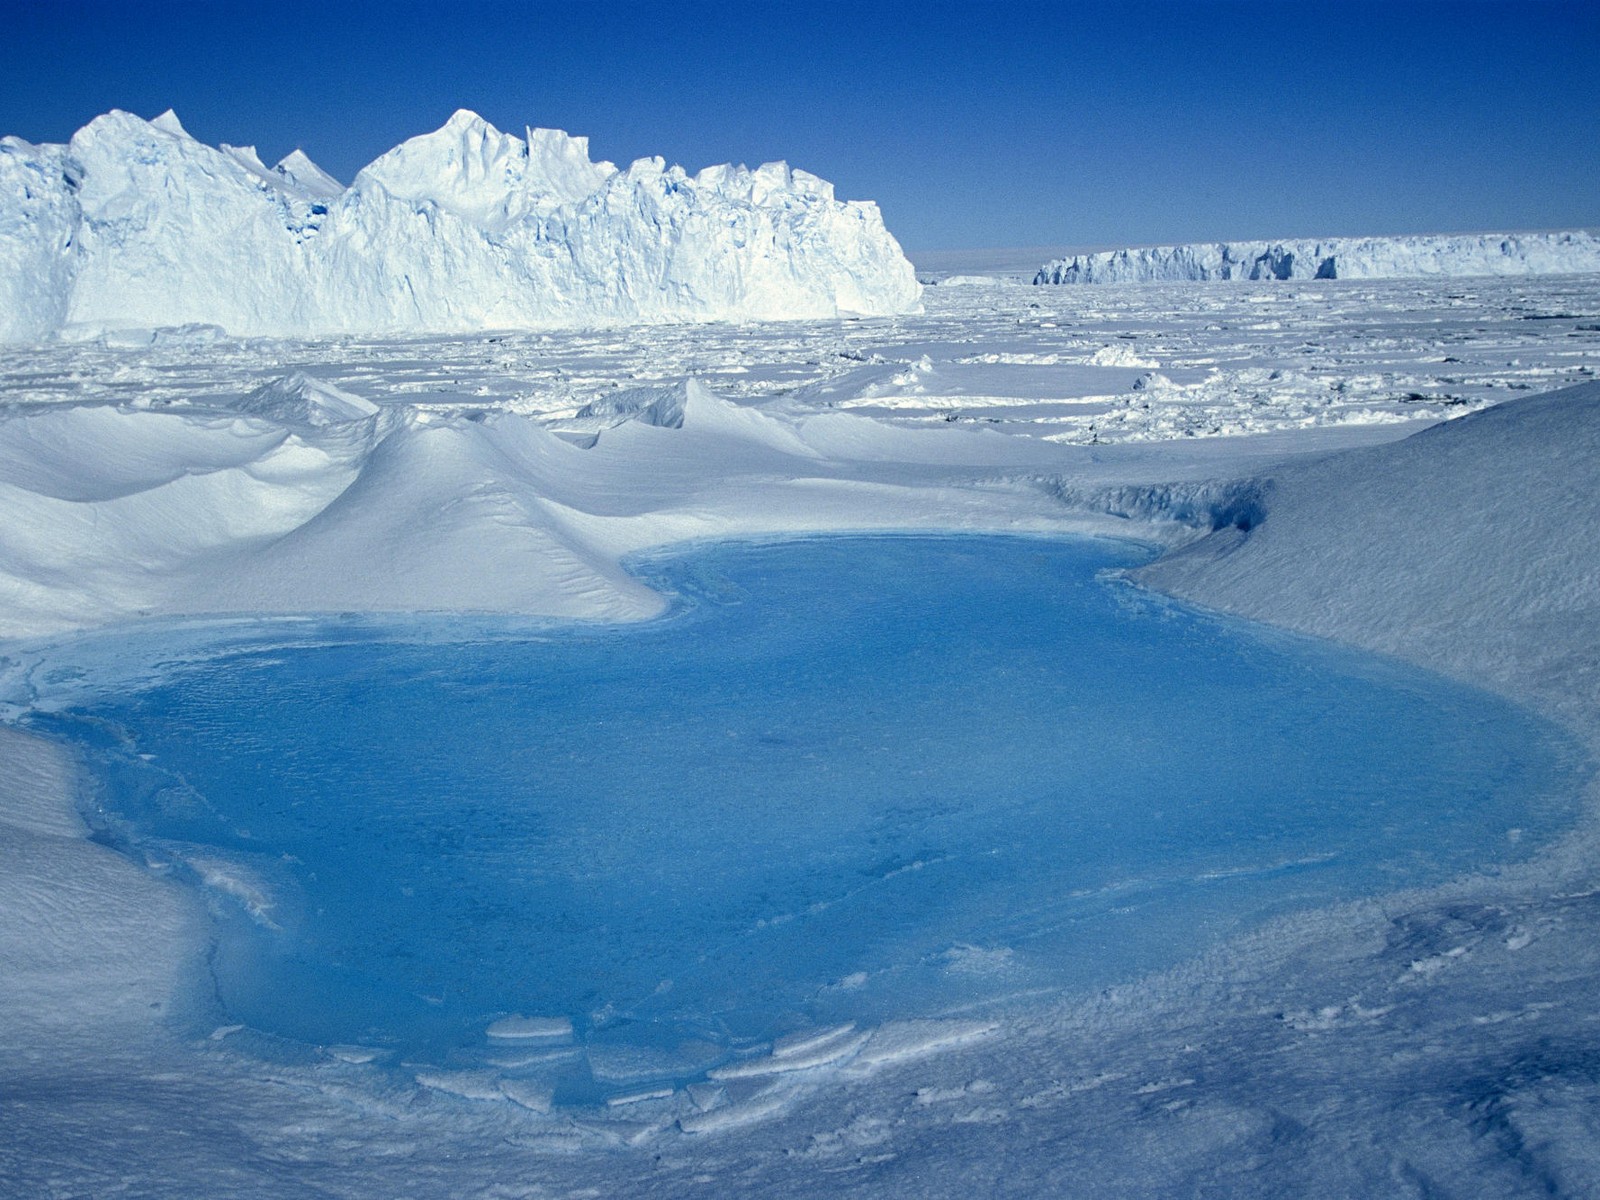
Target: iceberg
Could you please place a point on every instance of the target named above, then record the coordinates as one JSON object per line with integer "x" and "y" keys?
{"x": 38, "y": 217}
{"x": 1570, "y": 252}
{"x": 135, "y": 224}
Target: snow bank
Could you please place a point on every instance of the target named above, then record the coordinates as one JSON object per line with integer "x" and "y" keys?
{"x": 93, "y": 945}
{"x": 1564, "y": 253}
{"x": 1469, "y": 547}
{"x": 302, "y": 497}
{"x": 136, "y": 224}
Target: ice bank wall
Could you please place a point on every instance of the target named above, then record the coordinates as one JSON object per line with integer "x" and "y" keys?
{"x": 1566, "y": 253}
{"x": 134, "y": 223}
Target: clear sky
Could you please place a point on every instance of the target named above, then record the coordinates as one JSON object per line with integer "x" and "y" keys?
{"x": 972, "y": 124}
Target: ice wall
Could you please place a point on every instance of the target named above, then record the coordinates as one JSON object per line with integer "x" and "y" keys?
{"x": 1563, "y": 253}
{"x": 135, "y": 223}
{"x": 38, "y": 217}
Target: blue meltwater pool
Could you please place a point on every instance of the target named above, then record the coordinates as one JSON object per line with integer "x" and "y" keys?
{"x": 845, "y": 779}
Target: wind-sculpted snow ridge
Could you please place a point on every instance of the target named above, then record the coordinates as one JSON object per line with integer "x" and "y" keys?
{"x": 300, "y": 496}
{"x": 1572, "y": 252}
{"x": 136, "y": 224}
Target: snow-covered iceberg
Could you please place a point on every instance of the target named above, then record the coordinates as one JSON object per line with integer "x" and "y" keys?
{"x": 135, "y": 223}
{"x": 1569, "y": 252}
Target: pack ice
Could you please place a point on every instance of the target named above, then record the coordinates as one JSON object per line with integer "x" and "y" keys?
{"x": 136, "y": 224}
{"x": 1562, "y": 253}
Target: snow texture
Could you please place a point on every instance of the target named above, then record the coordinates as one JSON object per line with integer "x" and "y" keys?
{"x": 1360, "y": 548}
{"x": 1423, "y": 1044}
{"x": 299, "y": 399}
{"x": 1561, "y": 253}
{"x": 136, "y": 224}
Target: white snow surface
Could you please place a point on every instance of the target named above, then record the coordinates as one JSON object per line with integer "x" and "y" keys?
{"x": 1361, "y": 548}
{"x": 135, "y": 224}
{"x": 1564, "y": 252}
{"x": 1429, "y": 1043}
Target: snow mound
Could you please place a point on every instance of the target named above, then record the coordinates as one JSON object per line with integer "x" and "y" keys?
{"x": 1468, "y": 547}
{"x": 135, "y": 224}
{"x": 1564, "y": 253}
{"x": 298, "y": 399}
{"x": 695, "y": 408}
{"x": 447, "y": 514}
{"x": 294, "y": 500}
{"x": 102, "y": 454}
{"x": 92, "y": 944}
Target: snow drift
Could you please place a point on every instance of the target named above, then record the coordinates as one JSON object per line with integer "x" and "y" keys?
{"x": 1566, "y": 253}
{"x": 1468, "y": 547}
{"x": 136, "y": 224}
{"x": 299, "y": 496}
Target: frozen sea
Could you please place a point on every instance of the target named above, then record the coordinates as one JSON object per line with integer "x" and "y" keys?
{"x": 1327, "y": 1012}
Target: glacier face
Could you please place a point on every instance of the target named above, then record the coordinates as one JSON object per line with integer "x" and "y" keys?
{"x": 1562, "y": 253}
{"x": 135, "y": 223}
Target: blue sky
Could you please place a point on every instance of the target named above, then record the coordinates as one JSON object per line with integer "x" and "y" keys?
{"x": 972, "y": 124}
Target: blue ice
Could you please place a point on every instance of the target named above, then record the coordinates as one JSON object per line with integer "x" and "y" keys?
{"x": 846, "y": 779}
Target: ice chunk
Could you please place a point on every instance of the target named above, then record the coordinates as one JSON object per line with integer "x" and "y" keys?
{"x": 897, "y": 1041}
{"x": 355, "y": 1055}
{"x": 239, "y": 882}
{"x": 299, "y": 399}
{"x": 811, "y": 1040}
{"x": 817, "y": 1052}
{"x": 764, "y": 1104}
{"x": 468, "y": 1084}
{"x": 659, "y": 1093}
{"x": 535, "y": 1097}
{"x": 660, "y": 405}
{"x": 520, "y": 1029}
{"x": 706, "y": 1096}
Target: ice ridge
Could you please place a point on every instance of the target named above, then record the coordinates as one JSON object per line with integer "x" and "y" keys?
{"x": 135, "y": 223}
{"x": 1567, "y": 252}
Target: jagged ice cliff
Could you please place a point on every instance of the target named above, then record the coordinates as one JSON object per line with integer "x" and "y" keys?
{"x": 135, "y": 223}
{"x": 1561, "y": 253}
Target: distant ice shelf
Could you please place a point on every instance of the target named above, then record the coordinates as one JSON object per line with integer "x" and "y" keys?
{"x": 136, "y": 224}
{"x": 1569, "y": 252}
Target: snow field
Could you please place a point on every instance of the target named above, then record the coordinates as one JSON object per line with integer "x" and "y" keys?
{"x": 1042, "y": 362}
{"x": 1419, "y": 1044}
